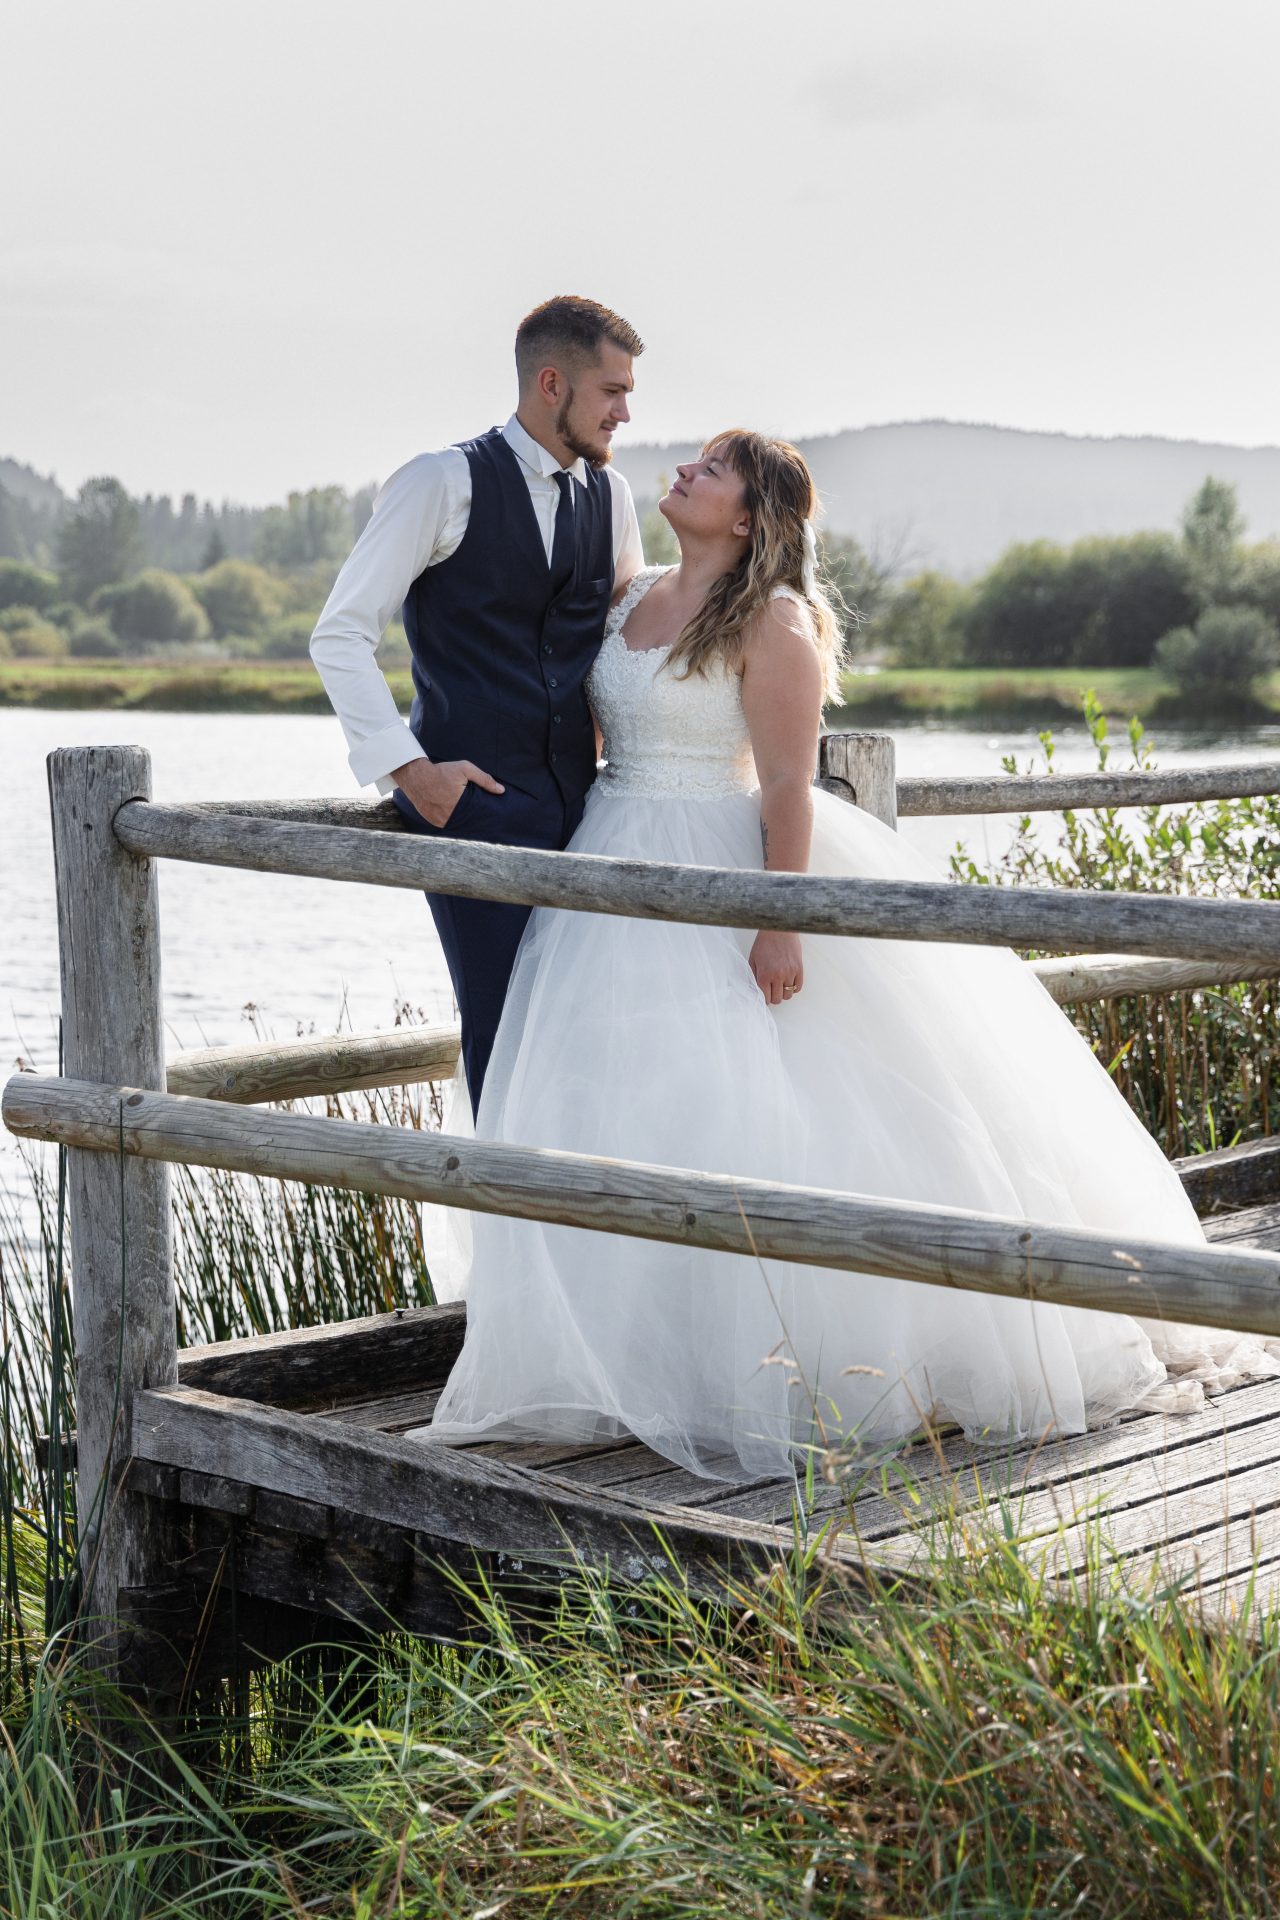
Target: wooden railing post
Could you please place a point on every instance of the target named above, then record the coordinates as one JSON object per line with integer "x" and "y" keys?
{"x": 121, "y": 1247}
{"x": 861, "y": 767}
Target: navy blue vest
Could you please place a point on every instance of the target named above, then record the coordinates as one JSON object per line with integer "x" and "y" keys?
{"x": 498, "y": 660}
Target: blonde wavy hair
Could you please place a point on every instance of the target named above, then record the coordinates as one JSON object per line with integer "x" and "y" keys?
{"x": 781, "y": 498}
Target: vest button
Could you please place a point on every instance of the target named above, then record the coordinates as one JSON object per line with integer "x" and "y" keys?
{"x": 556, "y": 718}
{"x": 546, "y": 649}
{"x": 554, "y": 758}
{"x": 553, "y": 682}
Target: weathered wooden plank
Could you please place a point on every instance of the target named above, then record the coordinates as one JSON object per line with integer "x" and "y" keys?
{"x": 1064, "y": 919}
{"x": 939, "y": 1246}
{"x": 389, "y": 1413}
{"x": 1215, "y": 1551}
{"x": 1255, "y": 1591}
{"x": 1232, "y": 1177}
{"x": 892, "y": 1482}
{"x": 479, "y": 1504}
{"x": 211, "y": 1490}
{"x": 343, "y": 1062}
{"x": 1075, "y": 981}
{"x": 404, "y": 1351}
{"x": 917, "y": 795}
{"x": 303, "y": 1069}
{"x": 124, "y": 1313}
{"x": 1251, "y": 1227}
{"x": 1128, "y": 1502}
{"x": 865, "y": 765}
{"x": 1053, "y": 792}
{"x": 676, "y": 1486}
{"x": 345, "y": 810}
{"x": 285, "y": 1511}
{"x": 613, "y": 1469}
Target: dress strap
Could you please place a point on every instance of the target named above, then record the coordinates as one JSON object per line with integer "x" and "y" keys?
{"x": 638, "y": 585}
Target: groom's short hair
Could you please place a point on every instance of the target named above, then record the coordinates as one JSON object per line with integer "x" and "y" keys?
{"x": 570, "y": 331}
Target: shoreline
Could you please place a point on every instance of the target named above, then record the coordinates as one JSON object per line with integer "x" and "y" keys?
{"x": 993, "y": 696}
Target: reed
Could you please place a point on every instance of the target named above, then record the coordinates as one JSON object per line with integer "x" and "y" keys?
{"x": 1199, "y": 1068}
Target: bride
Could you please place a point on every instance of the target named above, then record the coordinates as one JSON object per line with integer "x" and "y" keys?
{"x": 911, "y": 1070}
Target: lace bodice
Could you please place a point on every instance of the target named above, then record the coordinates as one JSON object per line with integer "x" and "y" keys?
{"x": 663, "y": 735}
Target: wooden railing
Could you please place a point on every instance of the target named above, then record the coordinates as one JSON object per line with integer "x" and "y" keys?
{"x": 122, "y": 1128}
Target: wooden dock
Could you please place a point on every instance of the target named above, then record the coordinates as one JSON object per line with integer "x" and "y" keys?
{"x": 239, "y": 1500}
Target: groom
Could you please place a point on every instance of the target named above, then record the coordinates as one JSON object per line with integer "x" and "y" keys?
{"x": 503, "y": 552}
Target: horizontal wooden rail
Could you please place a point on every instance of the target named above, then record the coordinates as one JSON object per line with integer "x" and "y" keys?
{"x": 939, "y": 1246}
{"x": 350, "y": 1062}
{"x": 1075, "y": 982}
{"x": 918, "y": 795}
{"x": 924, "y": 795}
{"x": 299, "y": 1069}
{"x": 1226, "y": 930}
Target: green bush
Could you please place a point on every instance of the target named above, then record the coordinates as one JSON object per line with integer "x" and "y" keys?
{"x": 1100, "y": 602}
{"x": 1223, "y": 656}
{"x": 6, "y": 646}
{"x": 41, "y": 640}
{"x": 152, "y": 606}
{"x": 22, "y": 585}
{"x": 238, "y": 597}
{"x": 1258, "y": 582}
{"x": 11, "y": 618}
{"x": 923, "y": 625}
{"x": 94, "y": 638}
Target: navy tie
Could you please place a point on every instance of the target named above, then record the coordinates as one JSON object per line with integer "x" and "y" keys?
{"x": 562, "y": 542}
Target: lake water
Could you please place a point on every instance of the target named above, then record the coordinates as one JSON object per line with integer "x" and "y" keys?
{"x": 307, "y": 954}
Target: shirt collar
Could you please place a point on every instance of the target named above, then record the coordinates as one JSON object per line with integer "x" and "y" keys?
{"x": 534, "y": 455}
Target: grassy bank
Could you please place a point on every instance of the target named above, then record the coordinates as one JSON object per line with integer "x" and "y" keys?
{"x": 1033, "y": 697}
{"x": 276, "y": 686}
{"x": 1036, "y": 697}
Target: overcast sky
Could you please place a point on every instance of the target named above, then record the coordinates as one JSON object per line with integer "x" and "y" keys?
{"x": 264, "y": 244}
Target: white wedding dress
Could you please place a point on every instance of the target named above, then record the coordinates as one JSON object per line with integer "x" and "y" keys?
{"x": 915, "y": 1070}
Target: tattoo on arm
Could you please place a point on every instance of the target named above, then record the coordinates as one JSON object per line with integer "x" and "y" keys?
{"x": 764, "y": 840}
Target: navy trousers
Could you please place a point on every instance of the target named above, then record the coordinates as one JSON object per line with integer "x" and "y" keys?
{"x": 480, "y": 937}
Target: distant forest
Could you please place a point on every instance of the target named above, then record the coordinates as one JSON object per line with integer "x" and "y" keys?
{"x": 193, "y": 535}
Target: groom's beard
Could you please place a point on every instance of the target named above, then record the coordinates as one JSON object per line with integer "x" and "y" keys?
{"x": 576, "y": 445}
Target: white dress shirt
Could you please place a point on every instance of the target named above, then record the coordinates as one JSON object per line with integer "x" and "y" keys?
{"x": 418, "y": 520}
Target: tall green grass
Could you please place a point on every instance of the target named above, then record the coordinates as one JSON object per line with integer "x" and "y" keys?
{"x": 994, "y": 1749}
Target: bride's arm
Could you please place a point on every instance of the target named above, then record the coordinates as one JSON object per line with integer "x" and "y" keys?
{"x": 782, "y": 702}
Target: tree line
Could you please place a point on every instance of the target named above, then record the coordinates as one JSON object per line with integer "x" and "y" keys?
{"x": 112, "y": 575}
{"x": 115, "y": 576}
{"x": 1201, "y": 605}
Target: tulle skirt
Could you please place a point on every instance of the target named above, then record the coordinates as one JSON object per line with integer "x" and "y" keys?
{"x": 911, "y": 1070}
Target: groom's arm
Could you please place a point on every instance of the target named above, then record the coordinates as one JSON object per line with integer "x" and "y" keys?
{"x": 419, "y": 516}
{"x": 628, "y": 552}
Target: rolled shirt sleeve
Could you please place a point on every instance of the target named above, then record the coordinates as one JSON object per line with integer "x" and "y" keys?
{"x": 418, "y": 517}
{"x": 628, "y": 552}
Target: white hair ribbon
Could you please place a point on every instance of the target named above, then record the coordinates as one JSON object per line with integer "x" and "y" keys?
{"x": 809, "y": 571}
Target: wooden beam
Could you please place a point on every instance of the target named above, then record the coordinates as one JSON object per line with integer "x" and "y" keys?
{"x": 324, "y": 1366}
{"x": 450, "y": 1493}
{"x": 859, "y": 767}
{"x": 915, "y": 795}
{"x": 349, "y": 1062}
{"x": 301, "y": 1069}
{"x": 121, "y": 1256}
{"x": 1075, "y": 981}
{"x": 939, "y": 1246}
{"x": 1055, "y": 792}
{"x": 1231, "y": 930}
{"x": 1232, "y": 1177}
